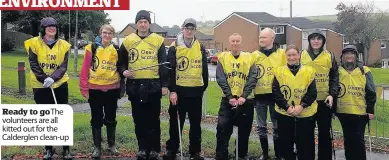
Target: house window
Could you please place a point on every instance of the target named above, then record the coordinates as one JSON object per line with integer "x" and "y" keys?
{"x": 346, "y": 41}
{"x": 360, "y": 57}
{"x": 383, "y": 44}
{"x": 305, "y": 35}
{"x": 283, "y": 46}
{"x": 279, "y": 29}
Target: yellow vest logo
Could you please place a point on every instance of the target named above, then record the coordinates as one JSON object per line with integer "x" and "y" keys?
{"x": 182, "y": 63}
{"x": 286, "y": 91}
{"x": 261, "y": 70}
{"x": 96, "y": 63}
{"x": 342, "y": 90}
{"x": 133, "y": 55}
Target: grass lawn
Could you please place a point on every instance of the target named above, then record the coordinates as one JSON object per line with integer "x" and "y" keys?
{"x": 9, "y": 78}
{"x": 10, "y": 94}
{"x": 125, "y": 140}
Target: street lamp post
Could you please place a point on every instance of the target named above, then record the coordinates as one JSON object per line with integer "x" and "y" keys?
{"x": 153, "y": 19}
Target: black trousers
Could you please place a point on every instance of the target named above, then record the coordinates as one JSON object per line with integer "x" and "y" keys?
{"x": 242, "y": 117}
{"x": 192, "y": 106}
{"x": 323, "y": 119}
{"x": 353, "y": 131}
{"x": 299, "y": 131}
{"x": 103, "y": 107}
{"x": 45, "y": 96}
{"x": 147, "y": 122}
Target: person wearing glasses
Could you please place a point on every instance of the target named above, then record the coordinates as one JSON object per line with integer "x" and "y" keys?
{"x": 187, "y": 83}
{"x": 100, "y": 84}
{"x": 356, "y": 100}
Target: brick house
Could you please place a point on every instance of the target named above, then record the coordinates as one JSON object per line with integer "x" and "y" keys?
{"x": 249, "y": 25}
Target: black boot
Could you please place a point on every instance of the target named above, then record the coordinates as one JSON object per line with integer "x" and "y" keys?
{"x": 169, "y": 155}
{"x": 265, "y": 149}
{"x": 96, "y": 132}
{"x": 141, "y": 155}
{"x": 154, "y": 155}
{"x": 277, "y": 150}
{"x": 48, "y": 152}
{"x": 111, "y": 131}
{"x": 196, "y": 156}
{"x": 66, "y": 152}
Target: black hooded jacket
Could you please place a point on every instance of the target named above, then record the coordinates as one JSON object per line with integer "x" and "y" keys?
{"x": 333, "y": 74}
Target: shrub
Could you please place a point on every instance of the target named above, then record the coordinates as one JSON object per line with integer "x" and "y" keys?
{"x": 7, "y": 44}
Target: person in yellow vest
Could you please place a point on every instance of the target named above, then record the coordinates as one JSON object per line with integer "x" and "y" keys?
{"x": 187, "y": 83}
{"x": 327, "y": 78}
{"x": 294, "y": 90}
{"x": 356, "y": 100}
{"x": 268, "y": 57}
{"x": 48, "y": 58}
{"x": 236, "y": 74}
{"x": 100, "y": 84}
{"x": 145, "y": 87}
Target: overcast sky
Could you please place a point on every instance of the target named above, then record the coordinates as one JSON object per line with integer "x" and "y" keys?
{"x": 174, "y": 12}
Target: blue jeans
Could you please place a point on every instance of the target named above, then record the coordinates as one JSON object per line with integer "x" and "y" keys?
{"x": 261, "y": 107}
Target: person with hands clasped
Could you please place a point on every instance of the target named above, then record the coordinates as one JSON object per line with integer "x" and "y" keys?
{"x": 145, "y": 85}
{"x": 356, "y": 100}
{"x": 100, "y": 84}
{"x": 236, "y": 75}
{"x": 48, "y": 58}
{"x": 294, "y": 91}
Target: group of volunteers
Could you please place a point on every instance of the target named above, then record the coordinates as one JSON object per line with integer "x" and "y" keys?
{"x": 298, "y": 88}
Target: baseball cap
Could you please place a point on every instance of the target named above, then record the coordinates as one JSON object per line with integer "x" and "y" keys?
{"x": 189, "y": 21}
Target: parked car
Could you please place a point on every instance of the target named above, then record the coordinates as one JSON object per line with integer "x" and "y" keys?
{"x": 82, "y": 43}
{"x": 210, "y": 54}
{"x": 214, "y": 59}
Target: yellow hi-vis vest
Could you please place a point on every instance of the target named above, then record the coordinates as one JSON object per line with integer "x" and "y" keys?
{"x": 295, "y": 87}
{"x": 265, "y": 67}
{"x": 189, "y": 70}
{"x": 49, "y": 59}
{"x": 351, "y": 98}
{"x": 322, "y": 65}
{"x": 143, "y": 53}
{"x": 104, "y": 71}
{"x": 236, "y": 71}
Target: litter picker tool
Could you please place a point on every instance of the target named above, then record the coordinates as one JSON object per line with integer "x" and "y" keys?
{"x": 164, "y": 64}
{"x": 332, "y": 135}
{"x": 179, "y": 132}
{"x": 237, "y": 136}
{"x": 295, "y": 129}
{"x": 52, "y": 91}
{"x": 368, "y": 125}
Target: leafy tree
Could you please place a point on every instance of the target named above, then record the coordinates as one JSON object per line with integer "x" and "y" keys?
{"x": 360, "y": 23}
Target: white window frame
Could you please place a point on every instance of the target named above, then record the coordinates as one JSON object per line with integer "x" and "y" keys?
{"x": 384, "y": 43}
{"x": 360, "y": 55}
{"x": 282, "y": 28}
{"x": 305, "y": 35}
{"x": 283, "y": 46}
{"x": 346, "y": 41}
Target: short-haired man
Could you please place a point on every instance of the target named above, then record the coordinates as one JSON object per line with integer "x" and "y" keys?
{"x": 236, "y": 75}
{"x": 269, "y": 56}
